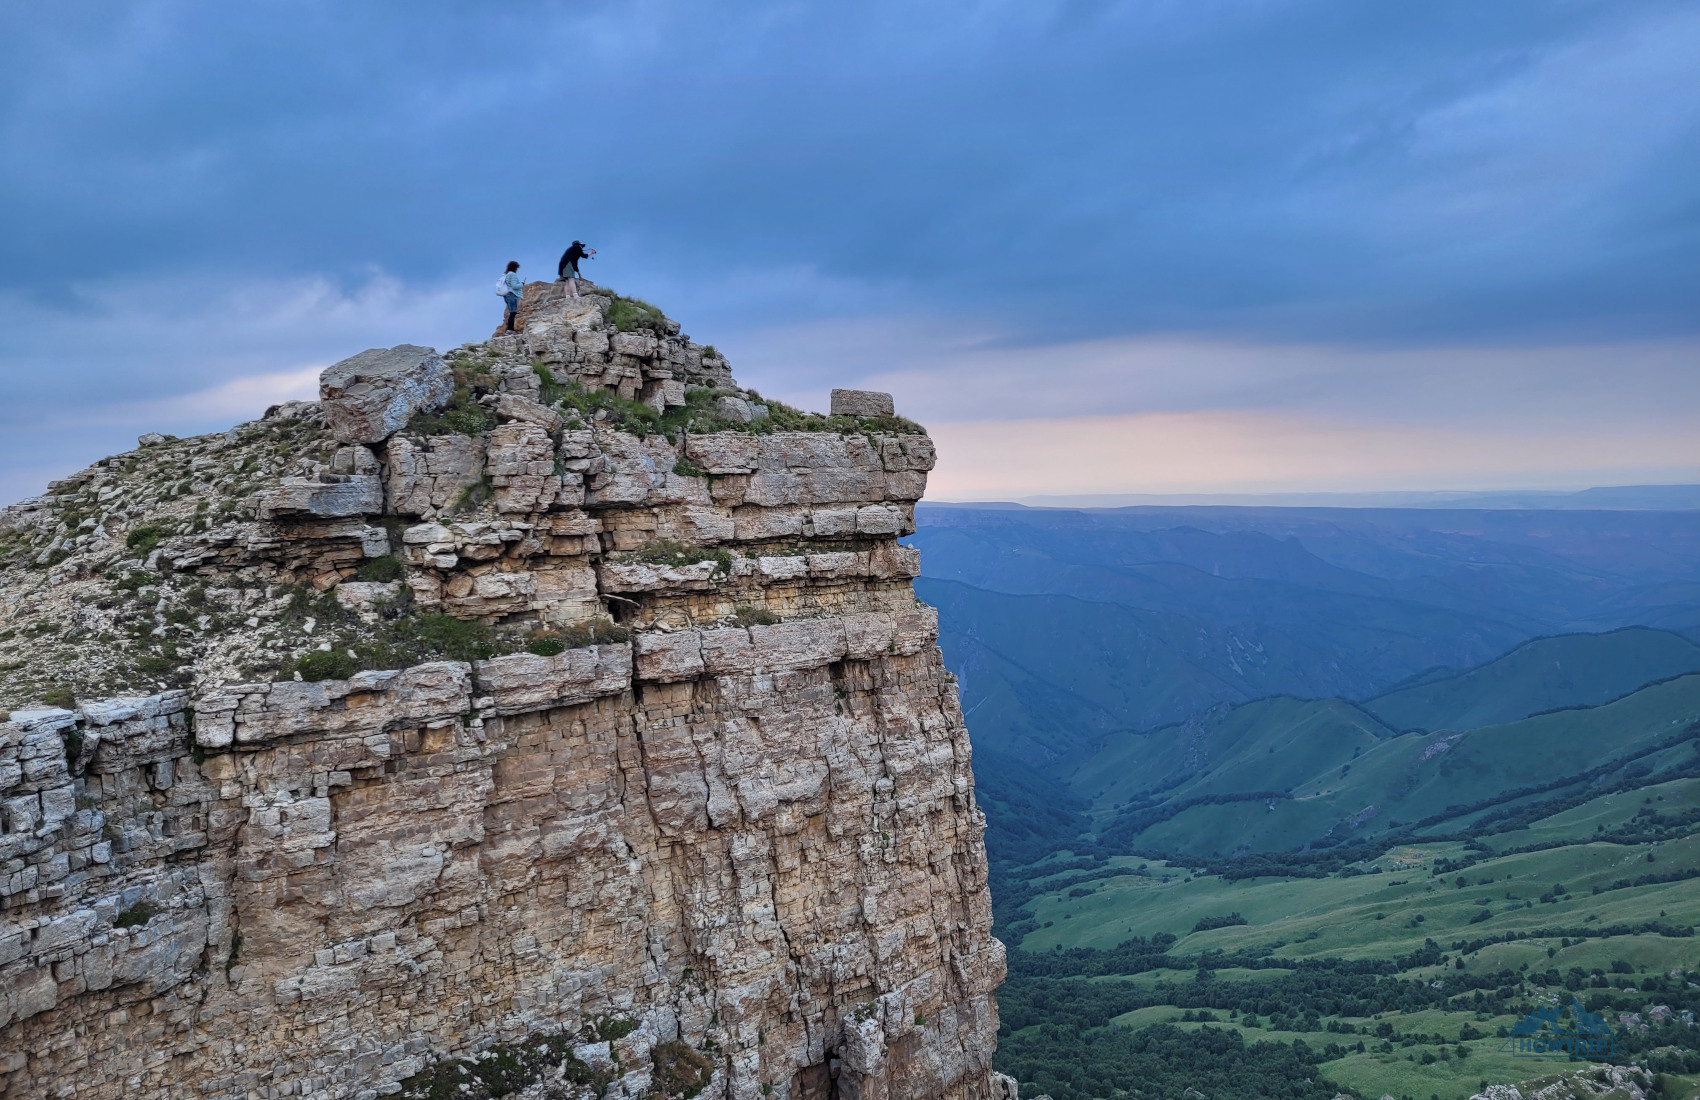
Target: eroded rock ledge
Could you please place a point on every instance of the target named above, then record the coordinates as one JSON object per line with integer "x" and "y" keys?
{"x": 720, "y": 836}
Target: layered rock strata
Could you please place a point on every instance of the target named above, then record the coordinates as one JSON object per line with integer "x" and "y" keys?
{"x": 709, "y": 830}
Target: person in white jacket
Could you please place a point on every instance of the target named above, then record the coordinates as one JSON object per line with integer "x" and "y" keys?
{"x": 511, "y": 288}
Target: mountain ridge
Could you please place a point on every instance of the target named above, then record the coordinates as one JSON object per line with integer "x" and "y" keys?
{"x": 1490, "y": 693}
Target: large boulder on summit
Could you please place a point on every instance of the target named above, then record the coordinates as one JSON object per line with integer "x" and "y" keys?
{"x": 862, "y": 403}
{"x": 369, "y": 397}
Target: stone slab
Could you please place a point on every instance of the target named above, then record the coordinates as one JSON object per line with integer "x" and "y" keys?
{"x": 523, "y": 682}
{"x": 369, "y": 397}
{"x": 862, "y": 403}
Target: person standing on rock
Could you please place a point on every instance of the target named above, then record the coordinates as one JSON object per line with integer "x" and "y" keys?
{"x": 511, "y": 287}
{"x": 569, "y": 262}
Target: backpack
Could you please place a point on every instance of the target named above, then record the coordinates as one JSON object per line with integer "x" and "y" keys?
{"x": 502, "y": 287}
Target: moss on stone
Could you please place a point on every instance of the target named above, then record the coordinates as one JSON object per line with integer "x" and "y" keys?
{"x": 504, "y": 1069}
{"x": 557, "y": 640}
{"x": 143, "y": 539}
{"x": 137, "y": 915}
{"x": 608, "y": 409}
{"x": 679, "y": 1073}
{"x": 382, "y": 569}
{"x": 669, "y": 552}
{"x": 636, "y": 315}
{"x": 403, "y": 636}
{"x": 745, "y": 615}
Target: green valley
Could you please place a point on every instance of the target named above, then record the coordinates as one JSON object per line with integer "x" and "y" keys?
{"x": 1393, "y": 974}
{"x": 1224, "y": 867}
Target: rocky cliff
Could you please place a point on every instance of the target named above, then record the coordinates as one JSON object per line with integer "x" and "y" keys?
{"x": 550, "y": 717}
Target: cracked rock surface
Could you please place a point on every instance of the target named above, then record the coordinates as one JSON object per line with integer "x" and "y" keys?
{"x": 671, "y": 793}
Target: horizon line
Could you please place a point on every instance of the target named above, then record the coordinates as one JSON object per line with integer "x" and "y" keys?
{"x": 1662, "y": 497}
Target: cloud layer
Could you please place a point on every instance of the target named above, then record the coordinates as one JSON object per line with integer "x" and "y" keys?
{"x": 1232, "y": 452}
{"x": 1449, "y": 217}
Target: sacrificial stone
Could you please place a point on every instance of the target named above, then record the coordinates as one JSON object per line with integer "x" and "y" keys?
{"x": 369, "y": 397}
{"x": 862, "y": 403}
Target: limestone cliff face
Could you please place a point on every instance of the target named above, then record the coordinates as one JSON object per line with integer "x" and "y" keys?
{"x": 670, "y": 796}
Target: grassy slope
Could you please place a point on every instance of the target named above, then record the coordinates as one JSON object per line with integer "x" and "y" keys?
{"x": 1373, "y": 916}
{"x": 1605, "y": 812}
{"x": 1421, "y": 778}
{"x": 1404, "y": 779}
{"x": 1374, "y": 1073}
{"x": 1268, "y": 744}
{"x": 1564, "y": 671}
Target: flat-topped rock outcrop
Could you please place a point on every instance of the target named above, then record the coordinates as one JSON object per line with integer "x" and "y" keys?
{"x": 548, "y": 717}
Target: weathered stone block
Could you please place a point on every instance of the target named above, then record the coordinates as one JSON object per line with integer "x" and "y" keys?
{"x": 26, "y": 993}
{"x": 877, "y": 519}
{"x": 518, "y": 378}
{"x": 893, "y": 560}
{"x": 734, "y": 408}
{"x": 726, "y": 452}
{"x": 668, "y": 658}
{"x": 497, "y": 592}
{"x": 662, "y": 394}
{"x": 796, "y": 645}
{"x": 753, "y": 523}
{"x": 524, "y": 682}
{"x": 832, "y": 522}
{"x": 862, "y": 403}
{"x": 566, "y": 592}
{"x": 646, "y": 577}
{"x": 330, "y": 497}
{"x": 365, "y": 703}
{"x": 521, "y": 465}
{"x": 513, "y": 406}
{"x": 369, "y": 397}
{"x": 637, "y": 471}
{"x": 783, "y": 568}
{"x": 639, "y": 345}
{"x": 425, "y": 476}
{"x": 364, "y": 597}
{"x": 837, "y": 565}
{"x": 884, "y": 634}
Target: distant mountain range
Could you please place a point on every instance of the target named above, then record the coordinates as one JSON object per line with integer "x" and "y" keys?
{"x": 1639, "y": 498}
{"x": 1195, "y": 679}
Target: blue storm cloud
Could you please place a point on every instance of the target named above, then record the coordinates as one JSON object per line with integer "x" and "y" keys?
{"x": 1313, "y": 164}
{"x": 1290, "y": 170}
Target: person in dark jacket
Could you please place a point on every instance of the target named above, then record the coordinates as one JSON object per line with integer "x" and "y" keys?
{"x": 569, "y": 263}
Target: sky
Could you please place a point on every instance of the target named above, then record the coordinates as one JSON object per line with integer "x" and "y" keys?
{"x": 1163, "y": 246}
